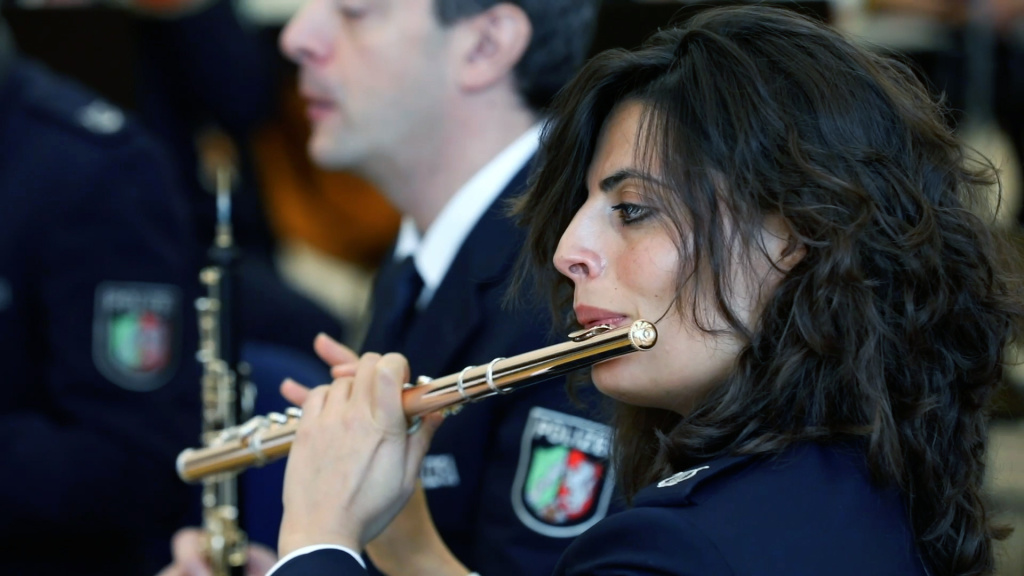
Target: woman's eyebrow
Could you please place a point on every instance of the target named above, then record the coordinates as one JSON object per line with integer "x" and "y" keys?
{"x": 611, "y": 182}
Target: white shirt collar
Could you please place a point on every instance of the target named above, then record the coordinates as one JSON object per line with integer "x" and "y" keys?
{"x": 434, "y": 252}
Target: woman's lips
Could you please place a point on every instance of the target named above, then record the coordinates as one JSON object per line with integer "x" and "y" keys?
{"x": 590, "y": 316}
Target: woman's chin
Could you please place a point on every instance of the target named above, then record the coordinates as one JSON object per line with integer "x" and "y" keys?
{"x": 629, "y": 382}
{"x": 610, "y": 377}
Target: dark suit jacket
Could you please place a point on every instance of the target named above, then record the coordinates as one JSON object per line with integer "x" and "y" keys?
{"x": 478, "y": 471}
{"x": 809, "y": 511}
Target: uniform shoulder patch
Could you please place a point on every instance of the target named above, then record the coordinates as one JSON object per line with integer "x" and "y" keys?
{"x": 65, "y": 102}
{"x": 563, "y": 482}
{"x": 136, "y": 330}
{"x": 100, "y": 117}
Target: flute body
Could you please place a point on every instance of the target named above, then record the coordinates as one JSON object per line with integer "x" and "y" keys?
{"x": 267, "y": 438}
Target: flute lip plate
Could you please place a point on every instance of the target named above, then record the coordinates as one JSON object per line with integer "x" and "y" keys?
{"x": 587, "y": 333}
{"x": 643, "y": 335}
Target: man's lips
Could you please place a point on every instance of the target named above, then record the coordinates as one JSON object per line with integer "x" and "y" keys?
{"x": 590, "y": 316}
{"x": 318, "y": 100}
{"x": 318, "y": 108}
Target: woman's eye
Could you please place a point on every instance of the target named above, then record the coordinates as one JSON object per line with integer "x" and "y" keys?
{"x": 631, "y": 213}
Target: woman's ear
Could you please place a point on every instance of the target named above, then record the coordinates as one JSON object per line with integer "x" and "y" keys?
{"x": 495, "y": 41}
{"x": 783, "y": 246}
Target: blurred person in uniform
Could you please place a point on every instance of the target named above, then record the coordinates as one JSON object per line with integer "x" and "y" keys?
{"x": 204, "y": 82}
{"x": 438, "y": 103}
{"x": 97, "y": 332}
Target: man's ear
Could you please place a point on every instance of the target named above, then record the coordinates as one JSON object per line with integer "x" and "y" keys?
{"x": 494, "y": 42}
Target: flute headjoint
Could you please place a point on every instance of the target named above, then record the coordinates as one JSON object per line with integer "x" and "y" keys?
{"x": 588, "y": 333}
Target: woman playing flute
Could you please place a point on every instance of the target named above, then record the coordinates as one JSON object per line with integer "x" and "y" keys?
{"x": 832, "y": 307}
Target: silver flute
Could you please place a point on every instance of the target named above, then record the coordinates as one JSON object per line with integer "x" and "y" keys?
{"x": 264, "y": 439}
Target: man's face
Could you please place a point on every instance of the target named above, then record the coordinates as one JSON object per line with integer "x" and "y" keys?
{"x": 375, "y": 74}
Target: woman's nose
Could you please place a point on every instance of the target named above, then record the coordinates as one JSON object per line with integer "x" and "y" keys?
{"x": 577, "y": 256}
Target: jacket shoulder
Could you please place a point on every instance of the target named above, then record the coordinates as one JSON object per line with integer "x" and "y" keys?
{"x": 660, "y": 541}
{"x": 811, "y": 509}
{"x": 679, "y": 488}
{"x": 54, "y": 102}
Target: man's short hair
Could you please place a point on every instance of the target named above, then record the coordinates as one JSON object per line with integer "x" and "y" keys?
{"x": 562, "y": 34}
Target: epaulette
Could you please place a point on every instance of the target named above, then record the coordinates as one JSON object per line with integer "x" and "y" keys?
{"x": 71, "y": 106}
{"x": 677, "y": 488}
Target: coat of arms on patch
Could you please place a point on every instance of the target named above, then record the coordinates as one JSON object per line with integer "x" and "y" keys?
{"x": 135, "y": 333}
{"x": 563, "y": 482}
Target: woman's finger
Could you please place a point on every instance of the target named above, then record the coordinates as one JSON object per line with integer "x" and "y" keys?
{"x": 294, "y": 392}
{"x": 315, "y": 401}
{"x": 418, "y": 445}
{"x": 344, "y": 370}
{"x": 392, "y": 372}
{"x": 363, "y": 379}
{"x": 341, "y": 388}
{"x": 333, "y": 352}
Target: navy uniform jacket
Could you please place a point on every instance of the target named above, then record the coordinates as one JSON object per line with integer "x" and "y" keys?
{"x": 811, "y": 511}
{"x": 498, "y": 474}
{"x": 97, "y": 335}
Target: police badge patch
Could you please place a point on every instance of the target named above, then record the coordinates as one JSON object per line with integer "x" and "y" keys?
{"x": 135, "y": 333}
{"x": 563, "y": 482}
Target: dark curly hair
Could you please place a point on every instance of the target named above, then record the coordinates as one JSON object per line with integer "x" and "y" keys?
{"x": 892, "y": 326}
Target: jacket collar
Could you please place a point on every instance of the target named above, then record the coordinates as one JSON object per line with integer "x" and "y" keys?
{"x": 484, "y": 261}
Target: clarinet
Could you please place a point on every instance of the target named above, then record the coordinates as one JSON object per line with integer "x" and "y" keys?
{"x": 227, "y": 393}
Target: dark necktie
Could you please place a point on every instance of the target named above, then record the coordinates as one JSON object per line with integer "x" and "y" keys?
{"x": 400, "y": 286}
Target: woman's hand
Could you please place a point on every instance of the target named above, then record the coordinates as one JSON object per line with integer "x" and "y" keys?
{"x": 352, "y": 465}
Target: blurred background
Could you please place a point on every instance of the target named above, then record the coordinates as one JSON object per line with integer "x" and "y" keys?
{"x": 212, "y": 90}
